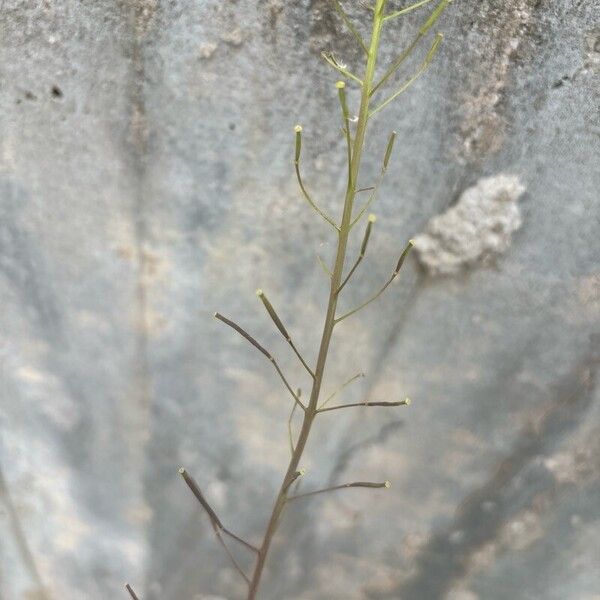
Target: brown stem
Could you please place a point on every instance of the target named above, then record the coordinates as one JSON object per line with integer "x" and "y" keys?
{"x": 405, "y": 402}
{"x": 333, "y": 488}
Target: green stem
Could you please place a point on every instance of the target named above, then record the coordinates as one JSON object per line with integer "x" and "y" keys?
{"x": 343, "y": 233}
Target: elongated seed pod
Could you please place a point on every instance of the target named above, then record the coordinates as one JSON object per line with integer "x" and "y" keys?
{"x": 273, "y": 314}
{"x": 434, "y": 16}
{"x": 243, "y": 333}
{"x": 195, "y": 488}
{"x": 389, "y": 149}
{"x": 370, "y": 221}
{"x": 403, "y": 256}
{"x": 341, "y": 87}
{"x": 434, "y": 48}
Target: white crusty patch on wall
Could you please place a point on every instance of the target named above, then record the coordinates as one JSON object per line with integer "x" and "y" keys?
{"x": 479, "y": 226}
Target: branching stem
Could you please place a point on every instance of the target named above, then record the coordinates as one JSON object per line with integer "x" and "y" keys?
{"x": 336, "y": 279}
{"x": 312, "y": 408}
{"x": 262, "y": 350}
{"x": 361, "y": 255}
{"x": 307, "y": 196}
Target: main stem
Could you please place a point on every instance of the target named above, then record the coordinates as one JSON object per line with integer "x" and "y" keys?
{"x": 344, "y": 231}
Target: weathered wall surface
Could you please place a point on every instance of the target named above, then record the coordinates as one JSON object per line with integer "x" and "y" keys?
{"x": 146, "y": 181}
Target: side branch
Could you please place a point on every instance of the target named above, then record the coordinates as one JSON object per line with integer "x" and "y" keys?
{"x": 262, "y": 350}
{"x": 361, "y": 484}
{"x": 325, "y": 268}
{"x": 217, "y": 526}
{"x": 397, "y": 63}
{"x": 350, "y": 26}
{"x": 288, "y": 338}
{"x": 340, "y": 389}
{"x": 385, "y": 286}
{"x": 424, "y": 66}
{"x": 373, "y": 195}
{"x": 406, "y": 9}
{"x": 339, "y": 67}
{"x": 433, "y": 17}
{"x": 341, "y": 87}
{"x": 404, "y": 402}
{"x": 361, "y": 255}
{"x": 307, "y": 197}
{"x": 290, "y": 419}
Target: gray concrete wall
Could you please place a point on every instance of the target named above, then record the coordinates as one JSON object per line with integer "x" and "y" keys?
{"x": 146, "y": 181}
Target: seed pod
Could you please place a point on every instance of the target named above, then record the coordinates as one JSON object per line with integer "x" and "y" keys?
{"x": 403, "y": 256}
{"x": 298, "y": 130}
{"x": 370, "y": 221}
{"x": 273, "y": 314}
{"x": 388, "y": 150}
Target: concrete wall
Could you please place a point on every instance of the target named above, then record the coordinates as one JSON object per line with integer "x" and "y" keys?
{"x": 146, "y": 181}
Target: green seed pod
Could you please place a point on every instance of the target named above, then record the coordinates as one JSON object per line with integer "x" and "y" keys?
{"x": 298, "y": 130}
{"x": 341, "y": 86}
{"x": 365, "y": 241}
{"x": 273, "y": 314}
{"x": 389, "y": 149}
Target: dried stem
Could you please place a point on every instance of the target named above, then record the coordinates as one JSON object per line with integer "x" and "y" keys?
{"x": 262, "y": 350}
{"x": 404, "y": 402}
{"x": 383, "y": 288}
{"x": 361, "y": 484}
{"x": 361, "y": 255}
{"x": 307, "y": 196}
{"x": 232, "y": 558}
{"x": 375, "y": 188}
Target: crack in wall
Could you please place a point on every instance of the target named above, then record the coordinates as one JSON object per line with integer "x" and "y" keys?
{"x": 139, "y": 15}
{"x": 482, "y": 127}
